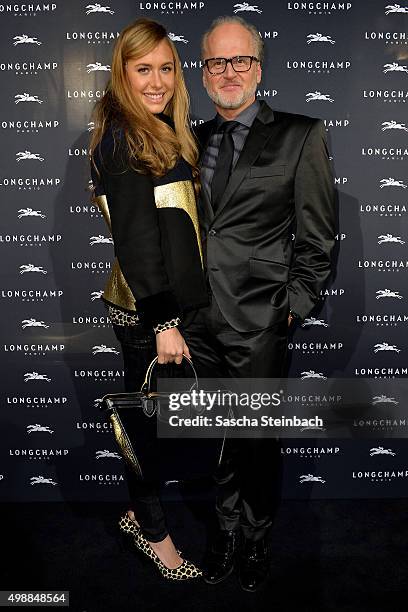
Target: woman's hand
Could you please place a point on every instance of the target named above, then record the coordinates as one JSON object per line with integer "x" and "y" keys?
{"x": 171, "y": 346}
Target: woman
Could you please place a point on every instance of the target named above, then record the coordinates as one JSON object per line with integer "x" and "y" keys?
{"x": 143, "y": 160}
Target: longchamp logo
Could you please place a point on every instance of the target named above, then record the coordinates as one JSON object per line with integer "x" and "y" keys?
{"x": 106, "y": 454}
{"x": 92, "y": 95}
{"x": 29, "y": 183}
{"x": 390, "y": 238}
{"x": 33, "y": 323}
{"x": 32, "y": 268}
{"x": 39, "y": 454}
{"x": 383, "y": 399}
{"x": 26, "y": 97}
{"x": 380, "y": 476}
{"x": 308, "y": 452}
{"x": 318, "y": 67}
{"x": 396, "y": 96}
{"x": 385, "y": 372}
{"x": 310, "y": 478}
{"x": 315, "y": 348}
{"x": 97, "y": 66}
{"x": 392, "y": 153}
{"x": 102, "y": 479}
{"x": 97, "y": 321}
{"x": 395, "y": 8}
{"x": 100, "y": 239}
{"x": 42, "y": 480}
{"x": 102, "y": 348}
{"x": 395, "y": 67}
{"x": 26, "y": 39}
{"x": 29, "y": 126}
{"x": 98, "y": 8}
{"x": 318, "y": 37}
{"x": 36, "y": 401}
{"x": 318, "y": 96}
{"x": 244, "y": 7}
{"x": 95, "y": 267}
{"x": 388, "y": 293}
{"x": 91, "y": 210}
{"x": 31, "y": 295}
{"x": 312, "y": 321}
{"x": 383, "y": 265}
{"x": 177, "y": 38}
{"x": 99, "y": 427}
{"x": 171, "y": 8}
{"x": 39, "y": 428}
{"x": 312, "y": 374}
{"x": 100, "y": 375}
{"x": 382, "y": 320}
{"x": 93, "y": 38}
{"x": 34, "y": 349}
{"x": 392, "y": 182}
{"x": 391, "y": 38}
{"x": 384, "y": 210}
{"x": 30, "y": 212}
{"x": 380, "y": 450}
{"x": 26, "y": 68}
{"x": 319, "y": 8}
{"x": 30, "y": 376}
{"x": 331, "y": 292}
{"x": 27, "y": 9}
{"x": 384, "y": 346}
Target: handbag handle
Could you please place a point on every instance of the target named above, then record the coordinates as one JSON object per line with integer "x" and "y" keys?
{"x": 145, "y": 388}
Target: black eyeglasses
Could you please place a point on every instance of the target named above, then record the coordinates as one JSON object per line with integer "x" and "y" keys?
{"x": 240, "y": 63}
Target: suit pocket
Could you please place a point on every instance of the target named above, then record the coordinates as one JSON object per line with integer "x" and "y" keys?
{"x": 269, "y": 270}
{"x": 263, "y": 171}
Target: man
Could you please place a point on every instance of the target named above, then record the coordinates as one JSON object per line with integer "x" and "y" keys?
{"x": 264, "y": 174}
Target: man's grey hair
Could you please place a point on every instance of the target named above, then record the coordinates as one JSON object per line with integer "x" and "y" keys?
{"x": 256, "y": 38}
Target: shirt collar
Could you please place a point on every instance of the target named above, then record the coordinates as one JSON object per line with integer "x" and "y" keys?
{"x": 246, "y": 117}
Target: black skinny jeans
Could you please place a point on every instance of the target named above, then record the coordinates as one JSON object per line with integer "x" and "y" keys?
{"x": 138, "y": 349}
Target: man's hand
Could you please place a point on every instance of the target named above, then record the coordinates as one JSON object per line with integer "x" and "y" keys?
{"x": 171, "y": 346}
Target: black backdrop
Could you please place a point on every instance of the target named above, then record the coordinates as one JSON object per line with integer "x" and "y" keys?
{"x": 345, "y": 62}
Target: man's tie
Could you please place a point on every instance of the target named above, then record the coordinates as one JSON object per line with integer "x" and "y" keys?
{"x": 224, "y": 163}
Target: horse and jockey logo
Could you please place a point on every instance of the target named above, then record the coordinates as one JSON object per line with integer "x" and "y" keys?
{"x": 98, "y": 8}
{"x": 24, "y": 38}
{"x": 395, "y": 8}
{"x": 392, "y": 182}
{"x": 32, "y": 268}
{"x": 383, "y": 399}
{"x": 35, "y": 480}
{"x": 384, "y": 346}
{"x": 35, "y": 376}
{"x": 91, "y": 126}
{"x": 104, "y": 454}
{"x": 26, "y": 97}
{"x": 395, "y": 67}
{"x": 393, "y": 125}
{"x": 100, "y": 240}
{"x": 387, "y": 293}
{"x": 380, "y": 450}
{"x": 244, "y": 6}
{"x": 102, "y": 348}
{"x": 38, "y": 427}
{"x": 312, "y": 96}
{"x": 28, "y": 155}
{"x": 310, "y": 478}
{"x": 177, "y": 38}
{"x": 29, "y": 212}
{"x": 33, "y": 323}
{"x": 311, "y": 38}
{"x": 308, "y": 322}
{"x": 97, "y": 402}
{"x": 312, "y": 374}
{"x": 96, "y": 295}
{"x": 97, "y": 66}
{"x": 390, "y": 238}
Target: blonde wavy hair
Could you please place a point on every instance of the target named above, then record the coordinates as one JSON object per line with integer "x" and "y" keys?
{"x": 152, "y": 145}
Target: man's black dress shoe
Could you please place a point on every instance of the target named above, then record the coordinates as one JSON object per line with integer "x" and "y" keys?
{"x": 221, "y": 557}
{"x": 254, "y": 564}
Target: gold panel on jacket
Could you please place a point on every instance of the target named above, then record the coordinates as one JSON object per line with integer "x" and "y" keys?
{"x": 179, "y": 195}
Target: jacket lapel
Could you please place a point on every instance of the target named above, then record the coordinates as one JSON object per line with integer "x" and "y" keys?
{"x": 204, "y": 201}
{"x": 259, "y": 134}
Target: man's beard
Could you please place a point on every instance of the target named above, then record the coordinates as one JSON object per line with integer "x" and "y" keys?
{"x": 223, "y": 102}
